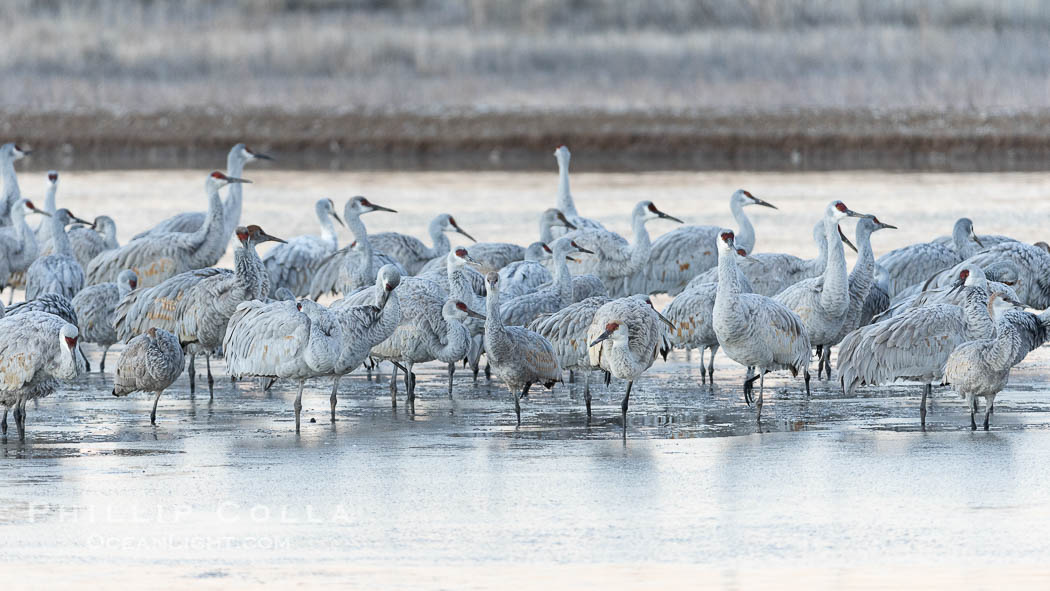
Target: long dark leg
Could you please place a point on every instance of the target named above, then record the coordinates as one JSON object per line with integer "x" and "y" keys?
{"x": 451, "y": 372}
{"x": 298, "y": 405}
{"x": 488, "y": 370}
{"x": 703, "y": 368}
{"x": 22, "y": 421}
{"x": 922, "y": 405}
{"x": 102, "y": 364}
{"x": 826, "y": 360}
{"x": 333, "y": 398}
{"x": 820, "y": 360}
{"x": 3, "y": 424}
{"x": 393, "y": 387}
{"x": 153, "y": 413}
{"x": 988, "y": 402}
{"x": 749, "y": 387}
{"x": 587, "y": 391}
{"x": 623, "y": 407}
{"x": 805, "y": 375}
{"x": 761, "y": 387}
{"x": 517, "y": 403}
{"x": 711, "y": 364}
{"x": 270, "y": 384}
{"x": 973, "y": 412}
{"x": 572, "y": 377}
{"x": 211, "y": 380}
{"x": 190, "y": 369}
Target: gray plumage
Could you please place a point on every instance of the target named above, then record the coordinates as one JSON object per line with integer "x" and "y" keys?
{"x": 52, "y": 303}
{"x": 683, "y": 253}
{"x": 9, "y": 153}
{"x": 1032, "y": 263}
{"x": 491, "y": 256}
{"x": 518, "y": 356}
{"x": 615, "y": 259}
{"x": 58, "y": 272}
{"x": 43, "y": 231}
{"x": 410, "y": 252}
{"x": 148, "y": 307}
{"x": 96, "y": 306}
{"x": 918, "y": 262}
{"x": 162, "y": 255}
{"x": 150, "y": 363}
{"x": 566, "y": 330}
{"x": 754, "y": 330}
{"x": 18, "y": 243}
{"x": 291, "y": 265}
{"x": 297, "y": 340}
{"x": 566, "y": 204}
{"x": 524, "y": 309}
{"x": 189, "y": 222}
{"x": 37, "y": 351}
{"x": 353, "y": 267}
{"x": 89, "y": 242}
{"x": 878, "y": 300}
{"x": 522, "y": 277}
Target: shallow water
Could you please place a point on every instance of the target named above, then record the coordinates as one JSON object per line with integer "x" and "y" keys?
{"x": 829, "y": 491}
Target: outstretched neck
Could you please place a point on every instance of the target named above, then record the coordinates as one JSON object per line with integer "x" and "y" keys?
{"x": 357, "y": 228}
{"x": 565, "y": 203}
{"x": 12, "y": 194}
{"x": 563, "y": 280}
{"x": 441, "y": 244}
{"x": 59, "y": 239}
{"x": 493, "y": 322}
{"x": 642, "y": 247}
{"x": 235, "y": 193}
{"x": 328, "y": 233}
{"x": 964, "y": 245}
{"x": 745, "y": 235}
{"x": 834, "y": 298}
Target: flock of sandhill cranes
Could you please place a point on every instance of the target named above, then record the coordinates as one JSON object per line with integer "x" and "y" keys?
{"x": 945, "y": 311}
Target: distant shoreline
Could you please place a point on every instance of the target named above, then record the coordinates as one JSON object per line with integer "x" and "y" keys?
{"x": 601, "y": 141}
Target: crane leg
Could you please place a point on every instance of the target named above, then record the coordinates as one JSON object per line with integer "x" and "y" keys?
{"x": 623, "y": 407}
{"x": 333, "y": 399}
{"x": 211, "y": 380}
{"x": 572, "y": 377}
{"x": 711, "y": 364}
{"x": 22, "y": 421}
{"x": 703, "y": 368}
{"x": 153, "y": 413}
{"x": 587, "y": 392}
{"x": 393, "y": 387}
{"x": 410, "y": 385}
{"x": 922, "y": 405}
{"x": 761, "y": 387}
{"x": 517, "y": 403}
{"x": 190, "y": 369}
{"x": 825, "y": 359}
{"x": 298, "y": 405}
{"x": 270, "y": 384}
{"x": 805, "y": 375}
{"x": 749, "y": 388}
{"x": 973, "y": 413}
{"x": 988, "y": 402}
{"x": 102, "y": 364}
{"x": 488, "y": 371}
{"x": 451, "y": 372}
{"x": 3, "y": 424}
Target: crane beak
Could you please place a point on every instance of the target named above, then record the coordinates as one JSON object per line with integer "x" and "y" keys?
{"x": 381, "y": 208}
{"x": 461, "y": 231}
{"x": 474, "y": 314}
{"x": 601, "y": 337}
{"x": 264, "y": 237}
{"x": 581, "y": 249}
{"x": 763, "y": 203}
{"x": 337, "y": 218}
{"x": 846, "y": 240}
{"x": 665, "y": 216}
{"x": 259, "y": 156}
{"x": 664, "y": 319}
{"x": 40, "y": 211}
{"x": 882, "y": 226}
{"x": 566, "y": 223}
{"x": 975, "y": 239}
{"x": 857, "y": 214}
{"x": 77, "y": 220}
{"x": 569, "y": 258}
{"x": 233, "y": 179}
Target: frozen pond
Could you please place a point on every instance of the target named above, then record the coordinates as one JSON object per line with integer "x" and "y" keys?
{"x": 831, "y": 492}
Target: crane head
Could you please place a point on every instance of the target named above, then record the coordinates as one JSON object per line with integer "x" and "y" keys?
{"x": 221, "y": 180}
{"x": 258, "y": 235}
{"x": 250, "y": 154}
{"x": 745, "y": 197}
{"x": 562, "y": 153}
{"x": 451, "y": 224}
{"x": 462, "y": 307}
{"x": 610, "y": 330}
{"x": 838, "y": 211}
{"x": 652, "y": 212}
{"x": 726, "y": 240}
{"x": 52, "y": 176}
{"x": 562, "y": 220}
{"x": 32, "y": 208}
{"x": 361, "y": 205}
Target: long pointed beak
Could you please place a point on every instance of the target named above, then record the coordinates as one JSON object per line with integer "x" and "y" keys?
{"x": 664, "y": 320}
{"x": 471, "y": 260}
{"x": 846, "y": 240}
{"x": 460, "y": 231}
{"x": 262, "y": 156}
{"x": 381, "y": 208}
{"x": 763, "y": 203}
{"x": 857, "y": 214}
{"x": 569, "y": 258}
{"x": 581, "y": 249}
{"x": 975, "y": 239}
{"x": 264, "y": 237}
{"x": 600, "y": 338}
{"x": 337, "y": 218}
{"x": 474, "y": 314}
{"x": 40, "y": 211}
{"x": 233, "y": 179}
{"x": 77, "y": 220}
{"x": 883, "y": 226}
{"x": 668, "y": 217}
{"x": 567, "y": 223}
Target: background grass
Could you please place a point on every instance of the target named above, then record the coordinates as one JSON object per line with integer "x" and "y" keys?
{"x": 431, "y": 56}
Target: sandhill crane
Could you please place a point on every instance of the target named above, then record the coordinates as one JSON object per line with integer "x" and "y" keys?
{"x": 189, "y": 222}
{"x": 18, "y": 245}
{"x": 52, "y": 303}
{"x": 161, "y": 255}
{"x": 756, "y": 331}
{"x": 1031, "y": 262}
{"x": 614, "y": 259}
{"x": 916, "y": 263}
{"x": 365, "y": 326}
{"x": 43, "y": 231}
{"x": 1000, "y": 276}
{"x": 519, "y": 356}
{"x": 982, "y": 367}
{"x": 567, "y": 330}
{"x": 691, "y": 314}
{"x": 291, "y": 264}
{"x": 58, "y": 272}
{"x": 878, "y": 300}
{"x": 524, "y": 309}
{"x": 10, "y": 152}
{"x": 822, "y": 302}
{"x": 916, "y": 344}
{"x": 88, "y": 242}
{"x": 410, "y": 252}
{"x": 522, "y": 277}
{"x": 565, "y": 201}
{"x": 683, "y": 253}
{"x": 861, "y": 279}
{"x": 297, "y": 340}
{"x": 553, "y": 218}
{"x": 37, "y": 350}
{"x": 150, "y": 363}
{"x": 624, "y": 338}
{"x": 206, "y": 307}
{"x": 354, "y": 266}
{"x": 96, "y": 306}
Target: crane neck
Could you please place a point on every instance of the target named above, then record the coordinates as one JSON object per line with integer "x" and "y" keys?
{"x": 457, "y": 339}
{"x": 745, "y": 234}
{"x": 234, "y": 194}
{"x": 109, "y": 233}
{"x": 964, "y": 244}
{"x": 979, "y": 322}
{"x": 59, "y": 238}
{"x": 493, "y": 321}
{"x": 642, "y": 246}
{"x": 328, "y": 233}
{"x": 357, "y": 228}
{"x": 214, "y": 220}
{"x": 565, "y": 202}
{"x": 12, "y": 194}
{"x": 441, "y": 244}
{"x": 562, "y": 278}
{"x": 834, "y": 298}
